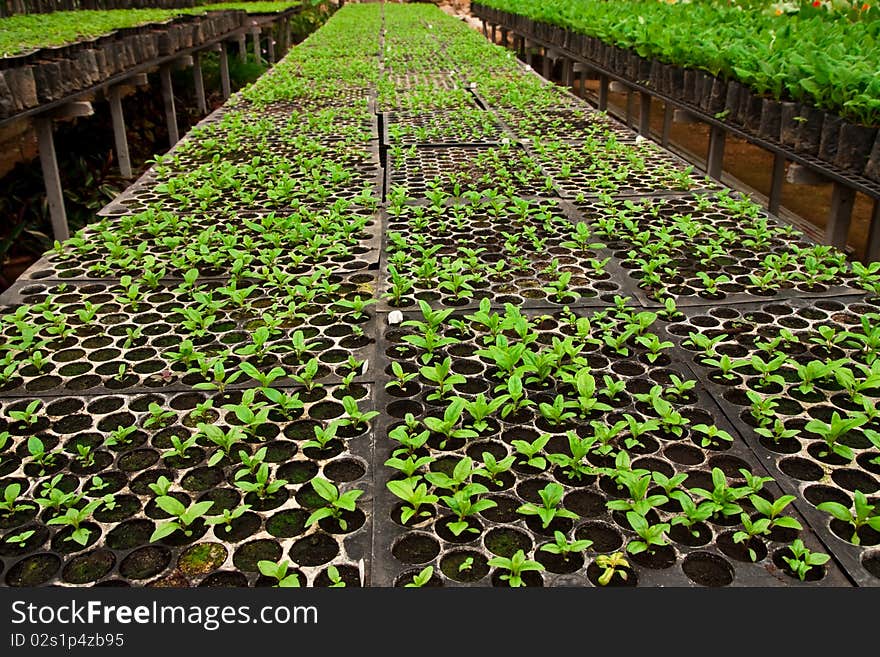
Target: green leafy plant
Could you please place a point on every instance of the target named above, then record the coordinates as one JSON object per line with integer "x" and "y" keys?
{"x": 863, "y": 514}
{"x": 803, "y": 560}
{"x": 415, "y": 496}
{"x": 421, "y": 578}
{"x": 611, "y": 565}
{"x": 551, "y": 497}
{"x": 723, "y": 498}
{"x": 11, "y": 502}
{"x": 337, "y": 502}
{"x": 279, "y": 572}
{"x": 565, "y": 548}
{"x": 74, "y": 518}
{"x": 514, "y": 567}
{"x": 183, "y": 517}
{"x": 465, "y": 502}
{"x": 263, "y": 485}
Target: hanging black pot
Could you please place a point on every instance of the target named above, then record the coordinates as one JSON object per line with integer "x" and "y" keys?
{"x": 644, "y": 70}
{"x": 663, "y": 82}
{"x": 699, "y": 85}
{"x": 854, "y": 146}
{"x": 634, "y": 63}
{"x": 830, "y": 137}
{"x": 771, "y": 113}
{"x": 704, "y": 85}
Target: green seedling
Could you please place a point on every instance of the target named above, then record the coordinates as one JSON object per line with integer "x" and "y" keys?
{"x": 227, "y": 517}
{"x": 11, "y": 503}
{"x": 493, "y": 467}
{"x": 28, "y": 416}
{"x": 863, "y": 514}
{"x": 19, "y": 539}
{"x": 158, "y": 416}
{"x": 74, "y": 518}
{"x": 263, "y": 485}
{"x": 803, "y": 559}
{"x": 410, "y": 466}
{"x": 337, "y": 502}
{"x": 833, "y": 431}
{"x": 183, "y": 516}
{"x": 712, "y": 435}
{"x": 551, "y": 497}
{"x": 278, "y": 572}
{"x": 179, "y": 448}
{"x": 402, "y": 378}
{"x": 446, "y": 427}
{"x": 421, "y": 578}
{"x": 442, "y": 376}
{"x": 415, "y": 497}
{"x": 691, "y": 513}
{"x": 723, "y": 498}
{"x": 533, "y": 451}
{"x": 514, "y": 567}
{"x": 465, "y": 503}
{"x": 461, "y": 473}
{"x": 565, "y": 548}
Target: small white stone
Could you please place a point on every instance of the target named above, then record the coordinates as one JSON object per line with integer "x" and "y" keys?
{"x": 365, "y": 367}
{"x": 395, "y": 317}
{"x": 640, "y": 139}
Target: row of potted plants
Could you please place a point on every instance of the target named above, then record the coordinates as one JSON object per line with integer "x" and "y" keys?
{"x": 48, "y": 56}
{"x": 771, "y": 85}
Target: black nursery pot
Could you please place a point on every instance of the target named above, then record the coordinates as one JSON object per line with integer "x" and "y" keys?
{"x": 754, "y": 110}
{"x": 675, "y": 80}
{"x": 854, "y": 146}
{"x": 731, "y": 101}
{"x": 690, "y": 83}
{"x": 809, "y": 134}
{"x": 830, "y": 138}
{"x": 872, "y": 168}
{"x": 788, "y": 123}
{"x": 771, "y": 115}
{"x": 716, "y": 94}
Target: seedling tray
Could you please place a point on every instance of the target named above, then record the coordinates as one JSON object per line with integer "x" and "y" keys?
{"x": 795, "y": 462}
{"x": 273, "y": 529}
{"x": 737, "y": 255}
{"x": 652, "y": 172}
{"x": 401, "y": 550}
{"x": 88, "y": 360}
{"x": 568, "y": 125}
{"x": 443, "y": 127}
{"x": 465, "y": 168}
{"x": 521, "y": 287}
